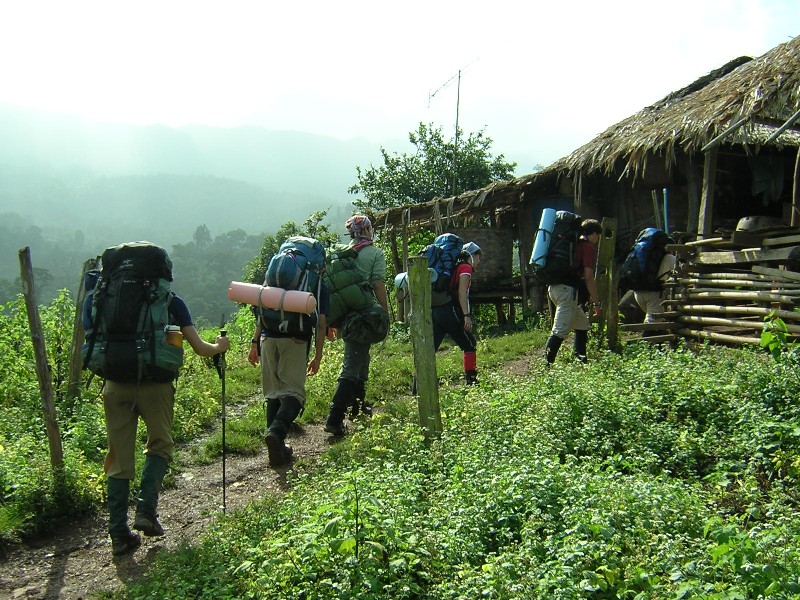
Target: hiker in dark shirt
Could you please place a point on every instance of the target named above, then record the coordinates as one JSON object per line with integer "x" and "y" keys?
{"x": 153, "y": 401}
{"x": 569, "y": 299}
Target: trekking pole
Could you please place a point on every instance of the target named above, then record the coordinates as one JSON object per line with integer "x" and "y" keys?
{"x": 219, "y": 363}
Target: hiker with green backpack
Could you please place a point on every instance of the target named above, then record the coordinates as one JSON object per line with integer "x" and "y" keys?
{"x": 351, "y": 386}
{"x": 135, "y": 327}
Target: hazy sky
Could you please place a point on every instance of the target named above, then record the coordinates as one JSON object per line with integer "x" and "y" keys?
{"x": 541, "y": 77}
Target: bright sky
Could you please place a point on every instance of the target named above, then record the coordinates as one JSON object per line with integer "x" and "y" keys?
{"x": 542, "y": 78}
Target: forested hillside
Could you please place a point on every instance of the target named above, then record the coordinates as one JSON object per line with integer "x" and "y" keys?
{"x": 69, "y": 189}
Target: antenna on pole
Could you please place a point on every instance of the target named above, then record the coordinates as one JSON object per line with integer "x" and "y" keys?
{"x": 431, "y": 95}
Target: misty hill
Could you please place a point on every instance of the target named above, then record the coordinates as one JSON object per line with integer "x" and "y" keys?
{"x": 77, "y": 186}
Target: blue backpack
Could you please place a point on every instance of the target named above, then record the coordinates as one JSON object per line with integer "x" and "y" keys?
{"x": 442, "y": 257}
{"x": 639, "y": 272}
{"x": 297, "y": 265}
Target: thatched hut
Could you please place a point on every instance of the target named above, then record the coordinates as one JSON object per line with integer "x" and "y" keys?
{"x": 695, "y": 162}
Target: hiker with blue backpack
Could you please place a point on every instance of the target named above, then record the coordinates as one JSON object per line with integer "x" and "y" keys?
{"x": 282, "y": 340}
{"x": 570, "y": 294}
{"x": 135, "y": 327}
{"x": 645, "y": 270}
{"x": 451, "y": 313}
{"x": 352, "y": 382}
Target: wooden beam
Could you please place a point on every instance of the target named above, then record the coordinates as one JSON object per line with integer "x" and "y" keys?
{"x": 746, "y": 257}
{"x": 712, "y": 145}
{"x": 720, "y": 337}
{"x": 78, "y": 334}
{"x": 705, "y": 218}
{"x": 777, "y": 273}
{"x": 795, "y": 220}
{"x": 606, "y": 280}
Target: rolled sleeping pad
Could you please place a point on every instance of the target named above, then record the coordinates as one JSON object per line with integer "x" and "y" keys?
{"x": 401, "y": 279}
{"x": 272, "y": 297}
{"x": 543, "y": 236}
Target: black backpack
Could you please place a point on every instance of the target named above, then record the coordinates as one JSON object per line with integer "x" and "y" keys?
{"x": 559, "y": 260}
{"x": 129, "y": 316}
{"x": 639, "y": 272}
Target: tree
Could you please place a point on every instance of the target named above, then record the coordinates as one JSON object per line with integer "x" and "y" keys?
{"x": 429, "y": 172}
{"x": 313, "y": 226}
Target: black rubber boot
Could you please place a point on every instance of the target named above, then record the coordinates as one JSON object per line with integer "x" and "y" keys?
{"x": 123, "y": 540}
{"x": 279, "y": 453}
{"x": 471, "y": 377}
{"x": 273, "y": 404}
{"x": 551, "y": 348}
{"x": 360, "y": 403}
{"x": 581, "y": 338}
{"x": 342, "y": 400}
{"x": 155, "y": 467}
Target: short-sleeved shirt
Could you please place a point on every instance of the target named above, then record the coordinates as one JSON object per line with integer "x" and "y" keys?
{"x": 372, "y": 263}
{"x": 585, "y": 256}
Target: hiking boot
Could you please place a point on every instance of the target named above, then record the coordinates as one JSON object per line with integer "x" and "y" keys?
{"x": 125, "y": 545}
{"x": 471, "y": 377}
{"x": 334, "y": 428}
{"x": 279, "y": 453}
{"x": 148, "y": 525}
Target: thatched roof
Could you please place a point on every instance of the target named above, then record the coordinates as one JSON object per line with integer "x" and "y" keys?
{"x": 762, "y": 92}
{"x": 758, "y": 95}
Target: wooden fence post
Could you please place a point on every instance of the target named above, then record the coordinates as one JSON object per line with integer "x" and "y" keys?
{"x": 606, "y": 281}
{"x": 421, "y": 322}
{"x": 42, "y": 368}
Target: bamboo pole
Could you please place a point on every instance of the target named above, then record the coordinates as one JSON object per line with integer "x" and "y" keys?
{"x": 421, "y": 322}
{"x": 777, "y": 273}
{"x": 42, "y": 366}
{"x": 605, "y": 278}
{"x": 741, "y": 323}
{"x": 752, "y": 296}
{"x": 744, "y": 276}
{"x": 732, "y": 283}
{"x": 719, "y": 337}
{"x": 741, "y": 310}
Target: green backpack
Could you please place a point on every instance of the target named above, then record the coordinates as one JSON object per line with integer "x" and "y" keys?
{"x": 348, "y": 287}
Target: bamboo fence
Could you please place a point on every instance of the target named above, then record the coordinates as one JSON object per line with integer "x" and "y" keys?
{"x": 724, "y": 292}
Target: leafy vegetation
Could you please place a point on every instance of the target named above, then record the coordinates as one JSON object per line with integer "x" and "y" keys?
{"x": 437, "y": 168}
{"x": 646, "y": 474}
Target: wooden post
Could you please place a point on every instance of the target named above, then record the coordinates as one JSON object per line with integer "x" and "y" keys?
{"x": 706, "y": 217}
{"x": 606, "y": 281}
{"x": 421, "y": 321}
{"x": 692, "y": 190}
{"x": 795, "y": 220}
{"x": 42, "y": 368}
{"x": 78, "y": 333}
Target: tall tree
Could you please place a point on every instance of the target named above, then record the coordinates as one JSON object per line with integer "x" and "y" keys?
{"x": 438, "y": 168}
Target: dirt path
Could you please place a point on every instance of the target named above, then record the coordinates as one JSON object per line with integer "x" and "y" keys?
{"x": 77, "y": 560}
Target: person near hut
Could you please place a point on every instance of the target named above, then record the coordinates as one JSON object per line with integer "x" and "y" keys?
{"x": 451, "y": 312}
{"x": 570, "y": 300}
{"x": 650, "y": 301}
{"x": 352, "y": 382}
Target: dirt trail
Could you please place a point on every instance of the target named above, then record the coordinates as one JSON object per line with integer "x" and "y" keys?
{"x": 77, "y": 560}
